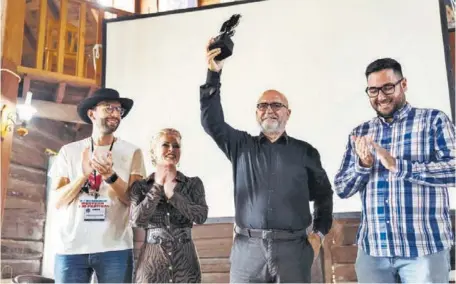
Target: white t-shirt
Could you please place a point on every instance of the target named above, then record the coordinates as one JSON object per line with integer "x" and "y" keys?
{"x": 76, "y": 235}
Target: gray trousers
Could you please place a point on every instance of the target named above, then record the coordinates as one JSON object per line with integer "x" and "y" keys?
{"x": 256, "y": 260}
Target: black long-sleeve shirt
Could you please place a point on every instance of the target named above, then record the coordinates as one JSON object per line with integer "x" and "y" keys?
{"x": 273, "y": 182}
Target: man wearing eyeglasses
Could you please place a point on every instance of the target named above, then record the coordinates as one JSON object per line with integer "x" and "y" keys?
{"x": 275, "y": 177}
{"x": 90, "y": 179}
{"x": 401, "y": 162}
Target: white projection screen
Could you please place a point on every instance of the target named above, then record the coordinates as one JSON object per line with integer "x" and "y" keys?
{"x": 313, "y": 51}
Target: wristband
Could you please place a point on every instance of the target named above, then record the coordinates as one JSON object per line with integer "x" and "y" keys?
{"x": 112, "y": 179}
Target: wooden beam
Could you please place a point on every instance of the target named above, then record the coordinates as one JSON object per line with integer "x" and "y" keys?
{"x": 52, "y": 77}
{"x": 13, "y": 249}
{"x": 101, "y": 13}
{"x": 41, "y": 34}
{"x": 25, "y": 86}
{"x": 13, "y": 18}
{"x": 81, "y": 40}
{"x": 55, "y": 111}
{"x": 62, "y": 35}
{"x": 207, "y": 2}
{"x": 60, "y": 93}
{"x": 3, "y": 14}
{"x": 98, "y": 64}
{"x": 138, "y": 6}
{"x": 149, "y": 6}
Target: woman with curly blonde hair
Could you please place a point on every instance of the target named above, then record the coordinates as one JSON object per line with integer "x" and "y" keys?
{"x": 166, "y": 204}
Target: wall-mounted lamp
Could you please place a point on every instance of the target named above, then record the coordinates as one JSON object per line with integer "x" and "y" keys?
{"x": 24, "y": 112}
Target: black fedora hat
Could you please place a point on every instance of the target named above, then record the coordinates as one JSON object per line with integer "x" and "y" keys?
{"x": 104, "y": 94}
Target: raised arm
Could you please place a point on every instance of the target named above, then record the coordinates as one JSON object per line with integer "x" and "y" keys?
{"x": 212, "y": 117}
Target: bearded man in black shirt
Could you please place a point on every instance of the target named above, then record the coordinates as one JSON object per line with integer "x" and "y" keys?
{"x": 275, "y": 178}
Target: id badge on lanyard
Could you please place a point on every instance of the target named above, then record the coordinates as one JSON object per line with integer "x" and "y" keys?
{"x": 94, "y": 208}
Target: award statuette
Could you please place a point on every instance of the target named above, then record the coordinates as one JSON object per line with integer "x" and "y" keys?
{"x": 223, "y": 40}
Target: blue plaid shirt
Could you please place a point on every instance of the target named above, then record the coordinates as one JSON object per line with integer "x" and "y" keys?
{"x": 406, "y": 213}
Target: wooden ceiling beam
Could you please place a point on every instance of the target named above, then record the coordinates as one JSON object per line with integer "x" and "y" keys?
{"x": 41, "y": 33}
{"x": 25, "y": 86}
{"x": 52, "y": 77}
{"x": 62, "y": 35}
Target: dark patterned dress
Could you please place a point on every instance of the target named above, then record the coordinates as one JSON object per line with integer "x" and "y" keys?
{"x": 168, "y": 254}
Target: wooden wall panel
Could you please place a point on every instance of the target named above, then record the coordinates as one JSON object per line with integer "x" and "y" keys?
{"x": 213, "y": 248}
{"x": 344, "y": 273}
{"x": 22, "y": 250}
{"x": 44, "y": 133}
{"x": 216, "y": 278}
{"x": 24, "y": 215}
{"x": 346, "y": 232}
{"x": 26, "y": 188}
{"x": 12, "y": 268}
{"x": 344, "y": 254}
{"x": 211, "y": 231}
{"x": 23, "y": 224}
{"x": 215, "y": 265}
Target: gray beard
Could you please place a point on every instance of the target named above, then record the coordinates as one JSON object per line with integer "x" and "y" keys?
{"x": 270, "y": 130}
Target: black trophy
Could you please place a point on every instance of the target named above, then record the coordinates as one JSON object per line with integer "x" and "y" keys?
{"x": 223, "y": 40}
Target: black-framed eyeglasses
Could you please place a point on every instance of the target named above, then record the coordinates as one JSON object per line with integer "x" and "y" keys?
{"x": 275, "y": 106}
{"x": 387, "y": 89}
{"x": 109, "y": 109}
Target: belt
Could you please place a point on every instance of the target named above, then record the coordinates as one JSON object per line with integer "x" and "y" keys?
{"x": 271, "y": 234}
{"x": 162, "y": 236}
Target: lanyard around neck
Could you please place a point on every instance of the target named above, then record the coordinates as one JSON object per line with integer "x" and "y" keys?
{"x": 110, "y": 148}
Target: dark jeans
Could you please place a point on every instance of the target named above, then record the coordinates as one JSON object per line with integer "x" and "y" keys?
{"x": 267, "y": 261}
{"x": 109, "y": 267}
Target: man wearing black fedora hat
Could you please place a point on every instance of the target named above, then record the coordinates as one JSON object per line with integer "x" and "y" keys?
{"x": 91, "y": 178}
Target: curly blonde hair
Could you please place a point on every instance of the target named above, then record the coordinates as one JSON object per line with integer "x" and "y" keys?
{"x": 156, "y": 138}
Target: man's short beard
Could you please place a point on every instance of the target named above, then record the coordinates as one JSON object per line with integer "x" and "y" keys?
{"x": 396, "y": 108}
{"x": 107, "y": 130}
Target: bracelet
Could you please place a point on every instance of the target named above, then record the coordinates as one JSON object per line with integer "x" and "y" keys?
{"x": 112, "y": 179}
